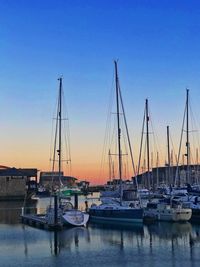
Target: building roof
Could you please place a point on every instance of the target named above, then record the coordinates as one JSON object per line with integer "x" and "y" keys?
{"x": 30, "y": 172}
{"x": 12, "y": 172}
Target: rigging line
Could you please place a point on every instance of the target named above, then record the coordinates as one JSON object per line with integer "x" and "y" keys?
{"x": 192, "y": 120}
{"x": 173, "y": 147}
{"x": 60, "y": 130}
{"x": 117, "y": 87}
{"x": 194, "y": 125}
{"x": 106, "y": 145}
{"x": 124, "y": 140}
{"x": 51, "y": 143}
{"x": 54, "y": 149}
{"x": 144, "y": 169}
{"x": 155, "y": 136}
{"x": 127, "y": 132}
{"x": 111, "y": 98}
{"x": 191, "y": 158}
{"x": 141, "y": 143}
{"x": 127, "y": 167}
{"x": 125, "y": 153}
{"x": 111, "y": 123}
{"x": 67, "y": 148}
{"x": 55, "y": 140}
{"x": 193, "y": 148}
{"x": 179, "y": 151}
{"x": 192, "y": 114}
{"x": 67, "y": 132}
{"x": 67, "y": 139}
{"x": 112, "y": 140}
{"x": 52, "y": 131}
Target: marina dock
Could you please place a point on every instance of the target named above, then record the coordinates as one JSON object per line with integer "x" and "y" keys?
{"x": 39, "y": 221}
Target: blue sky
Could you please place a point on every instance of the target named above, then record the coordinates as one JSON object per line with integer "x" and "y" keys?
{"x": 156, "y": 42}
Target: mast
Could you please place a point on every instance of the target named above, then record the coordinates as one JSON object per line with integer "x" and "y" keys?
{"x": 147, "y": 136}
{"x": 187, "y": 137}
{"x": 172, "y": 165}
{"x": 197, "y": 166}
{"x": 144, "y": 180}
{"x": 110, "y": 165}
{"x": 118, "y": 130}
{"x": 157, "y": 174}
{"x": 60, "y": 128}
{"x": 168, "y": 153}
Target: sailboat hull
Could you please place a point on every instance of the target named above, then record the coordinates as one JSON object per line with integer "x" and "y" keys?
{"x": 75, "y": 218}
{"x": 116, "y": 215}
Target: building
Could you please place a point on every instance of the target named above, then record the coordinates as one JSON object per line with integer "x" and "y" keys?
{"x": 17, "y": 183}
{"x": 170, "y": 176}
{"x": 51, "y": 179}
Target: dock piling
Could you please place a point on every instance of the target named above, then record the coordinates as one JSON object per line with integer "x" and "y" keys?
{"x": 76, "y": 201}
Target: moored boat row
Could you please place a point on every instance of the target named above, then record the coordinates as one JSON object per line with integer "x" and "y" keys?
{"x": 114, "y": 208}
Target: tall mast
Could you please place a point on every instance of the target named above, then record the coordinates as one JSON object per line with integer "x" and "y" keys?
{"x": 187, "y": 136}
{"x": 172, "y": 164}
{"x": 197, "y": 166}
{"x": 168, "y": 153}
{"x": 110, "y": 165}
{"x": 147, "y": 135}
{"x": 157, "y": 174}
{"x": 60, "y": 128}
{"x": 119, "y": 130}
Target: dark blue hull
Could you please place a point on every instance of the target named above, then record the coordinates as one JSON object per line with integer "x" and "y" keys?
{"x": 125, "y": 215}
{"x": 195, "y": 216}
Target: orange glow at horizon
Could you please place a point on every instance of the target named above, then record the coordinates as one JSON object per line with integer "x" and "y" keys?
{"x": 86, "y": 161}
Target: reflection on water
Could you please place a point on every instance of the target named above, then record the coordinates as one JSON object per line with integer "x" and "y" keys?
{"x": 68, "y": 239}
{"x": 166, "y": 244}
{"x": 167, "y": 230}
{"x": 10, "y": 211}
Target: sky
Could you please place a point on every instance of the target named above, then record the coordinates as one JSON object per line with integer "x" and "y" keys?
{"x": 157, "y": 47}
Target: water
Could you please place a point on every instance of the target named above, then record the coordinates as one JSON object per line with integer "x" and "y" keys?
{"x": 161, "y": 244}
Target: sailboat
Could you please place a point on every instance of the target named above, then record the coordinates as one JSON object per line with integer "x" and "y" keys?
{"x": 193, "y": 200}
{"x": 65, "y": 212}
{"x": 116, "y": 211}
{"x": 166, "y": 209}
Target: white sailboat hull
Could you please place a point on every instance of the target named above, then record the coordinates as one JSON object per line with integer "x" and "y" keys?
{"x": 75, "y": 218}
{"x": 168, "y": 214}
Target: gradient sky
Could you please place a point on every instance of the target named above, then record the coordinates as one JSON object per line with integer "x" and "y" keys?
{"x": 158, "y": 47}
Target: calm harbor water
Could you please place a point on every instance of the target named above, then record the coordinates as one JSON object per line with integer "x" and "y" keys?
{"x": 160, "y": 244}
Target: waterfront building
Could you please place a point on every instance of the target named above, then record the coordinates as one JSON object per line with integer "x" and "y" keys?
{"x": 47, "y": 179}
{"x": 17, "y": 183}
{"x": 159, "y": 175}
